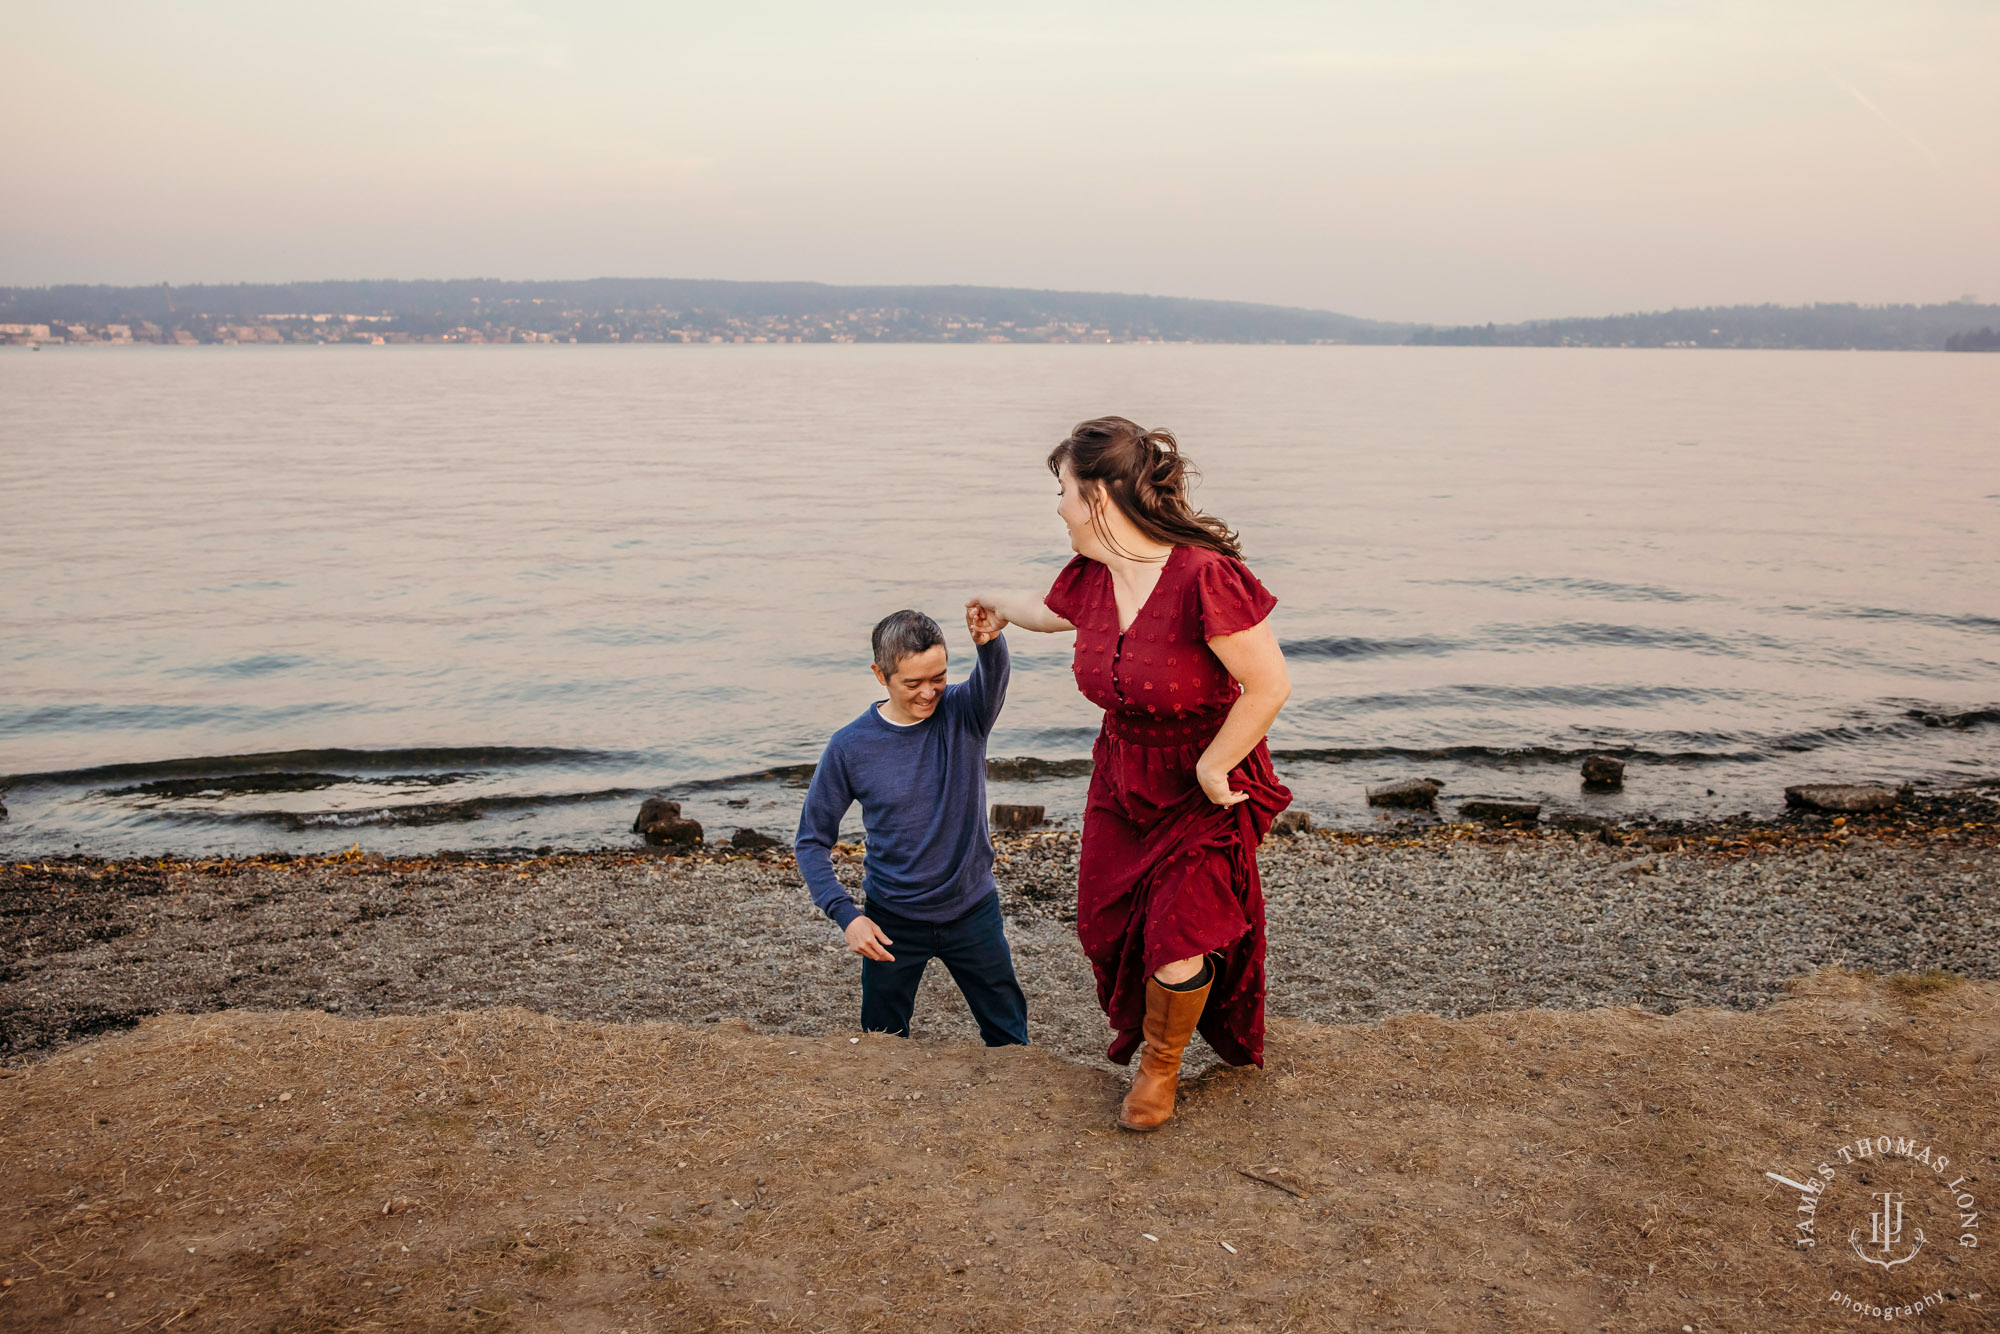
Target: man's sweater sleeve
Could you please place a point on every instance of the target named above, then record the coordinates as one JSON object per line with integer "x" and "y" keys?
{"x": 827, "y": 801}
{"x": 986, "y": 687}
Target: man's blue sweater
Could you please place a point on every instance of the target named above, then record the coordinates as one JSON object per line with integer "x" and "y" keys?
{"x": 922, "y": 790}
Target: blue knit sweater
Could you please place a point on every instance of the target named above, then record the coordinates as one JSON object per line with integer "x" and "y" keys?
{"x": 922, "y": 790}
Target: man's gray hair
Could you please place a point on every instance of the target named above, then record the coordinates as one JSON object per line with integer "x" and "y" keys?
{"x": 903, "y": 634}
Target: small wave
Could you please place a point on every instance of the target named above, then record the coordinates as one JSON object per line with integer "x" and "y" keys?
{"x": 1019, "y": 769}
{"x": 308, "y": 761}
{"x": 1506, "y": 755}
{"x": 790, "y": 775}
{"x": 639, "y": 635}
{"x": 1590, "y": 634}
{"x": 1350, "y": 646}
{"x": 1601, "y": 634}
{"x": 1981, "y": 625}
{"x": 406, "y": 816}
{"x": 233, "y": 784}
{"x": 1600, "y": 588}
{"x": 209, "y": 718}
{"x": 264, "y": 664}
{"x": 1679, "y": 748}
{"x": 193, "y": 787}
{"x": 1421, "y": 702}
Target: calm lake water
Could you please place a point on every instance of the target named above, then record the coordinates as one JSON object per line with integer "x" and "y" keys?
{"x": 421, "y": 598}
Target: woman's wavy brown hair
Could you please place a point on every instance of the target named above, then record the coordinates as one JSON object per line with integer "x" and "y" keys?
{"x": 1147, "y": 477}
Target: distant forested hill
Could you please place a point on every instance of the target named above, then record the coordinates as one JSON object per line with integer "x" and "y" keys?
{"x": 604, "y": 310}
{"x": 1821, "y": 326}
{"x": 608, "y": 309}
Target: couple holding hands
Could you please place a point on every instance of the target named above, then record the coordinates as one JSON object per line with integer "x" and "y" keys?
{"x": 1173, "y": 643}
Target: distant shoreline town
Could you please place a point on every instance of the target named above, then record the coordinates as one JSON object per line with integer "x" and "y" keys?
{"x": 663, "y": 326}
{"x": 612, "y": 310}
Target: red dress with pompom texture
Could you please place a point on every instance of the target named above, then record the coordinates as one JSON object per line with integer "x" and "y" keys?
{"x": 1167, "y": 874}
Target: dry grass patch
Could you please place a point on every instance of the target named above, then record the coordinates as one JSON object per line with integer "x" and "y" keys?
{"x": 501, "y": 1171}
{"x": 1925, "y": 983}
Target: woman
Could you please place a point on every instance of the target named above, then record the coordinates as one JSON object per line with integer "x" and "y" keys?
{"x": 1173, "y": 643}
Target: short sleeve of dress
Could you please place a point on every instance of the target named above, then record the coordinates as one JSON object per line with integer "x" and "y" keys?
{"x": 1065, "y": 597}
{"x": 1231, "y": 598}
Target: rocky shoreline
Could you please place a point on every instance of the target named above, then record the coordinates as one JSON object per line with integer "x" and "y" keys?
{"x": 1417, "y": 917}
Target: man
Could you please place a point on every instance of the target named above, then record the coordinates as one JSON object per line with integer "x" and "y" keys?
{"x": 916, "y": 762}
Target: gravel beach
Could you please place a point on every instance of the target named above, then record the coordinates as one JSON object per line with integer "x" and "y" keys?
{"x": 1451, "y": 920}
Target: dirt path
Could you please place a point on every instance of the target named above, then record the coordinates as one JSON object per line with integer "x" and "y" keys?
{"x": 493, "y": 1170}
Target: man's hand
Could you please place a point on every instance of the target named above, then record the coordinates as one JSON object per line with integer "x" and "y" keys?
{"x": 983, "y": 621}
{"x": 866, "y": 939}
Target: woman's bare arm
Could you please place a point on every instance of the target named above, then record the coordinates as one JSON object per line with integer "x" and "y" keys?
{"x": 1253, "y": 658}
{"x": 1023, "y": 609}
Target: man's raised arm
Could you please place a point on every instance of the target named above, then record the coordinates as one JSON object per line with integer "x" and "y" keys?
{"x": 986, "y": 688}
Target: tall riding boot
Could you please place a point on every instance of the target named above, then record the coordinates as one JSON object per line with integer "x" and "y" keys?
{"x": 1170, "y": 1020}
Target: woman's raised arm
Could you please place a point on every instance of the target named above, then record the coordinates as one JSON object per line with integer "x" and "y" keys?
{"x": 990, "y": 613}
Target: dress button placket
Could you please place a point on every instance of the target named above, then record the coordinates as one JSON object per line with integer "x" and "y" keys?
{"x": 1117, "y": 652}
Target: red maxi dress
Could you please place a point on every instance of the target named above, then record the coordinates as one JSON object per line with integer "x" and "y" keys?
{"x": 1165, "y": 873}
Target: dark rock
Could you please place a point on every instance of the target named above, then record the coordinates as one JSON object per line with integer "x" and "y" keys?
{"x": 1603, "y": 773}
{"x": 1291, "y": 822}
{"x": 1963, "y": 722}
{"x": 3, "y": 810}
{"x": 653, "y": 810}
{"x": 1017, "y": 817}
{"x": 673, "y": 832}
{"x": 1840, "y": 798}
{"x": 1501, "y": 812}
{"x": 1028, "y": 769}
{"x": 752, "y": 840}
{"x": 1413, "y": 793}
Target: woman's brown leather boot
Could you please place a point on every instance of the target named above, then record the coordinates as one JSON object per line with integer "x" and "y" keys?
{"x": 1170, "y": 1020}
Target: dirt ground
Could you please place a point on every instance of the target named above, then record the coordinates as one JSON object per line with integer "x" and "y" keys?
{"x": 502, "y": 1170}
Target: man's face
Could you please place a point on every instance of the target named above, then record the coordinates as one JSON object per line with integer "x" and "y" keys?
{"x": 917, "y": 684}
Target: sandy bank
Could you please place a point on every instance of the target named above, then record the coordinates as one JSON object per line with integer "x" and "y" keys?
{"x": 502, "y": 1170}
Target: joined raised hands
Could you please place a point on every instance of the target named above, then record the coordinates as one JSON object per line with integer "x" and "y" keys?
{"x": 982, "y": 621}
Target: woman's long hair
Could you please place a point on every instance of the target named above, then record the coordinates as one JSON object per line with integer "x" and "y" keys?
{"x": 1148, "y": 479}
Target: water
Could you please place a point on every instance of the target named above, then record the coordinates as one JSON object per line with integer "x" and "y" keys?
{"x": 487, "y": 597}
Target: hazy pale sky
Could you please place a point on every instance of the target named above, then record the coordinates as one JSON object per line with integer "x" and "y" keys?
{"x": 1503, "y": 159}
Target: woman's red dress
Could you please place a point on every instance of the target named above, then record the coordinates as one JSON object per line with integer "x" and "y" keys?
{"x": 1167, "y": 874}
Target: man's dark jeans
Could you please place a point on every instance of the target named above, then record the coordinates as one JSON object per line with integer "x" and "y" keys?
{"x": 973, "y": 947}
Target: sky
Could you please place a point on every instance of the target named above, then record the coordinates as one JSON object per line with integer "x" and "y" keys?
{"x": 1449, "y": 162}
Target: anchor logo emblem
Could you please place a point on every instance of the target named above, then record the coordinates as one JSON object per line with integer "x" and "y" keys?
{"x": 1885, "y": 1232}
